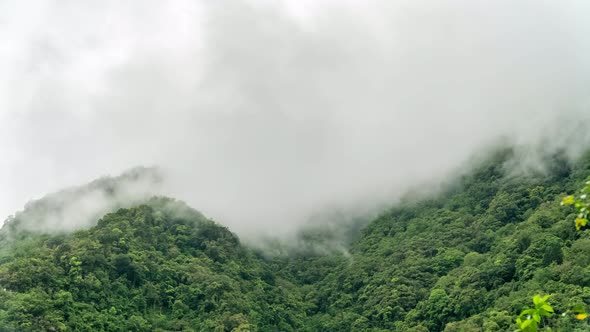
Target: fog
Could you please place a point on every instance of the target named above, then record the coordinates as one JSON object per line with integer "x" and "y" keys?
{"x": 263, "y": 114}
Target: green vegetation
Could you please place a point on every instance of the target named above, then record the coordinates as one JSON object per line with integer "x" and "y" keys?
{"x": 582, "y": 205}
{"x": 157, "y": 266}
{"x": 530, "y": 319}
{"x": 467, "y": 259}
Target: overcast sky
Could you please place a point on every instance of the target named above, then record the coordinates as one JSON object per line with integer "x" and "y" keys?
{"x": 262, "y": 113}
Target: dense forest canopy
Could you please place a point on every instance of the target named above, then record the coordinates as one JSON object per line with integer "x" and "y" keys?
{"x": 305, "y": 165}
{"x": 469, "y": 258}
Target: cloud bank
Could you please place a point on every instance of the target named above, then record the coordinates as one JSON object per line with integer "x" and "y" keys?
{"x": 262, "y": 113}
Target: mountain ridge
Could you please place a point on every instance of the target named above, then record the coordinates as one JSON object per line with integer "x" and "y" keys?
{"x": 466, "y": 259}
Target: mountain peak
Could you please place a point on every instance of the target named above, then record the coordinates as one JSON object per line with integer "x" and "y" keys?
{"x": 80, "y": 207}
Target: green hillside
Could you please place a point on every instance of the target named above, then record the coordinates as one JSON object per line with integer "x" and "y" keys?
{"x": 469, "y": 258}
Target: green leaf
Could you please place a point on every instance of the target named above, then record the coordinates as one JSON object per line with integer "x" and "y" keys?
{"x": 547, "y": 308}
{"x": 526, "y": 323}
{"x": 527, "y": 312}
{"x": 581, "y": 222}
{"x": 568, "y": 200}
{"x": 545, "y": 313}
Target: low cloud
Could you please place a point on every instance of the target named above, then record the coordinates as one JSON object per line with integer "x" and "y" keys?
{"x": 262, "y": 114}
{"x": 81, "y": 206}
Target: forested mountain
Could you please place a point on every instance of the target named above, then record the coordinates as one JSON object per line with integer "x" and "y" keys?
{"x": 79, "y": 207}
{"x": 466, "y": 259}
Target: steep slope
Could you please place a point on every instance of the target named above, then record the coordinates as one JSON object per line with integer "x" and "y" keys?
{"x": 157, "y": 266}
{"x": 467, "y": 259}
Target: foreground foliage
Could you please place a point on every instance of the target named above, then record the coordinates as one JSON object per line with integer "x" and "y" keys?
{"x": 529, "y": 319}
{"x": 468, "y": 259}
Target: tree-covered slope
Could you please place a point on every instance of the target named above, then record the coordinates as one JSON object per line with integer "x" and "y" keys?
{"x": 80, "y": 206}
{"x": 157, "y": 266}
{"x": 467, "y": 259}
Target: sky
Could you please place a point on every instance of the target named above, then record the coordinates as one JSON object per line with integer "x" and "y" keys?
{"x": 262, "y": 114}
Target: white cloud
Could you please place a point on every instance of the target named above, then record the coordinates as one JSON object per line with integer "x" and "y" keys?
{"x": 263, "y": 112}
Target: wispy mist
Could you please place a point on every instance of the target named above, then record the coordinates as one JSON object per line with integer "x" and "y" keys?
{"x": 80, "y": 207}
{"x": 264, "y": 113}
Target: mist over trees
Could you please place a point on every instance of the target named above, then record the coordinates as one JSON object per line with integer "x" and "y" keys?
{"x": 265, "y": 113}
{"x": 374, "y": 165}
{"x": 467, "y": 259}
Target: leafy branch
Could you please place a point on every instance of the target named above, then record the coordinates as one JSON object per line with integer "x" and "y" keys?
{"x": 582, "y": 204}
{"x": 530, "y": 319}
